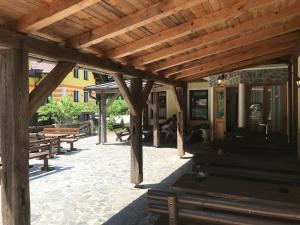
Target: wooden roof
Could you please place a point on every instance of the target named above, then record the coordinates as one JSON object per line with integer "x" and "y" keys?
{"x": 171, "y": 39}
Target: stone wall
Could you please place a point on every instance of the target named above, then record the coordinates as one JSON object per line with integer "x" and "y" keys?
{"x": 259, "y": 76}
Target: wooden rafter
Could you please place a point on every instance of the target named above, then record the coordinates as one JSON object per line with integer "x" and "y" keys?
{"x": 240, "y": 64}
{"x": 204, "y": 40}
{"x": 184, "y": 29}
{"x": 245, "y": 55}
{"x": 133, "y": 106}
{"x": 46, "y": 49}
{"x": 49, "y": 14}
{"x": 196, "y": 65}
{"x": 131, "y": 22}
{"x": 40, "y": 94}
{"x": 266, "y": 34}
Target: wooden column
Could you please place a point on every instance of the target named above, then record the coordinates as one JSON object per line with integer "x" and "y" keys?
{"x": 179, "y": 94}
{"x": 156, "y": 136}
{"x": 295, "y": 100}
{"x": 103, "y": 136}
{"x": 136, "y": 133}
{"x": 98, "y": 96}
{"x": 14, "y": 141}
{"x": 289, "y": 104}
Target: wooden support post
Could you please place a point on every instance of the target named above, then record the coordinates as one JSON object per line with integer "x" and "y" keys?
{"x": 179, "y": 94}
{"x": 136, "y": 133}
{"x": 14, "y": 142}
{"x": 172, "y": 208}
{"x": 103, "y": 119}
{"x": 295, "y": 100}
{"x": 98, "y": 97}
{"x": 40, "y": 94}
{"x": 156, "y": 135}
{"x": 290, "y": 104}
{"x": 126, "y": 93}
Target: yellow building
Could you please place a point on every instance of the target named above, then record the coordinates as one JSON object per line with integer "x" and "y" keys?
{"x": 198, "y": 104}
{"x": 71, "y": 86}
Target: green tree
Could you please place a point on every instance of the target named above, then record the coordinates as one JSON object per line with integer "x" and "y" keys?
{"x": 59, "y": 111}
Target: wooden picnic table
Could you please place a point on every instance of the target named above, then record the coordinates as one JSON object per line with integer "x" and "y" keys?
{"x": 58, "y": 137}
{"x": 237, "y": 189}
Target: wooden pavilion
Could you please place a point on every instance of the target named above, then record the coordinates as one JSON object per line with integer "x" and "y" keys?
{"x": 168, "y": 42}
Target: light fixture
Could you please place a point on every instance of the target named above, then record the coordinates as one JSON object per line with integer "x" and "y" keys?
{"x": 221, "y": 78}
{"x": 298, "y": 82}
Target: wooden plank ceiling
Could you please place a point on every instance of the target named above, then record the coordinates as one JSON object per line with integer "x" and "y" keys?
{"x": 176, "y": 39}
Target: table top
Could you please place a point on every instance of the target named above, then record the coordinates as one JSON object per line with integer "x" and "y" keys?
{"x": 237, "y": 188}
{"x": 56, "y": 135}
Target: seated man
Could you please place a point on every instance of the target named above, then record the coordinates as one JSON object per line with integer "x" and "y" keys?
{"x": 169, "y": 130}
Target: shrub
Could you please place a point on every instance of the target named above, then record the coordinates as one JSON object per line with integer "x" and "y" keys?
{"x": 59, "y": 111}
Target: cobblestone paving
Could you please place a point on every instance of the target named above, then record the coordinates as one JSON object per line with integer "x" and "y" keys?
{"x": 92, "y": 185}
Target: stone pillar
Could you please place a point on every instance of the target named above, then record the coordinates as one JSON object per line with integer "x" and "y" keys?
{"x": 14, "y": 141}
{"x": 242, "y": 120}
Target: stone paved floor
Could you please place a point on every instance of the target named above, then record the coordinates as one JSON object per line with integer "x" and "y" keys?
{"x": 91, "y": 186}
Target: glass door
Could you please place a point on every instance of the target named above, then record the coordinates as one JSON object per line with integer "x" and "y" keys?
{"x": 255, "y": 109}
{"x": 275, "y": 108}
{"x": 266, "y": 106}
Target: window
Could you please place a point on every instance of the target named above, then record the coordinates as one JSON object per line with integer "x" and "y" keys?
{"x": 199, "y": 105}
{"x": 76, "y": 96}
{"x": 162, "y": 98}
{"x": 76, "y": 73}
{"x": 85, "y": 75}
{"x": 86, "y": 96}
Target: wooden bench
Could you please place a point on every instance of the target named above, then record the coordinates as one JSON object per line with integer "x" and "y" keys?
{"x": 41, "y": 149}
{"x": 120, "y": 131}
{"x": 71, "y": 135}
{"x": 43, "y": 145}
{"x": 202, "y": 209}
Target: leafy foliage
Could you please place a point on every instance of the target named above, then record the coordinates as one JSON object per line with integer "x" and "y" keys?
{"x": 118, "y": 107}
{"x": 59, "y": 111}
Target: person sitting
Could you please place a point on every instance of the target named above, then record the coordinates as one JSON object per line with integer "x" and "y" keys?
{"x": 169, "y": 130}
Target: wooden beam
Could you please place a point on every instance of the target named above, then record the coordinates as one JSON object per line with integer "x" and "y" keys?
{"x": 40, "y": 48}
{"x": 113, "y": 98}
{"x": 49, "y": 14}
{"x": 249, "y": 52}
{"x": 136, "y": 134}
{"x": 14, "y": 142}
{"x": 39, "y": 95}
{"x": 156, "y": 131}
{"x": 132, "y": 105}
{"x": 187, "y": 28}
{"x": 241, "y": 65}
{"x": 146, "y": 91}
{"x": 179, "y": 94}
{"x": 267, "y": 34}
{"x": 133, "y": 21}
{"x": 178, "y": 102}
{"x": 277, "y": 30}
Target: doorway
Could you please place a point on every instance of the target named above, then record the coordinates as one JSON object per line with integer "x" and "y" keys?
{"x": 231, "y": 109}
{"x": 267, "y": 105}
